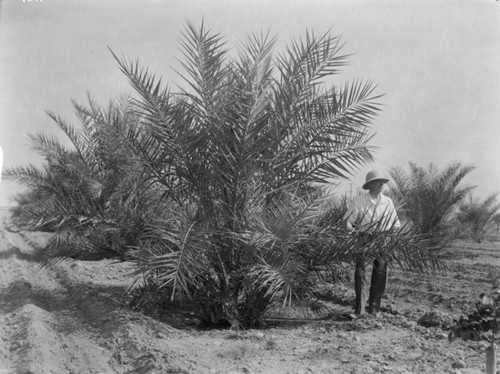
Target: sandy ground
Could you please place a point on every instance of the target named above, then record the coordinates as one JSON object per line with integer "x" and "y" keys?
{"x": 68, "y": 318}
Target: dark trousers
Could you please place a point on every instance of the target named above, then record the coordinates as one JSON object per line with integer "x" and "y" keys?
{"x": 377, "y": 286}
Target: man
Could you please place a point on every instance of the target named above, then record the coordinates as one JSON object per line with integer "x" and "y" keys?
{"x": 370, "y": 215}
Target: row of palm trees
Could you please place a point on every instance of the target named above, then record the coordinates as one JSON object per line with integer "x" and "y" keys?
{"x": 218, "y": 192}
{"x": 437, "y": 202}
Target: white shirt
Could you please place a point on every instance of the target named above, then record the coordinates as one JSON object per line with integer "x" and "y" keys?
{"x": 368, "y": 214}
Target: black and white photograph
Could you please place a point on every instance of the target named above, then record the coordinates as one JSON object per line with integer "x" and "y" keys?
{"x": 243, "y": 187}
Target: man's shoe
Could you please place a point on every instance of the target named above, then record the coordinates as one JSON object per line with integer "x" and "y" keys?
{"x": 373, "y": 311}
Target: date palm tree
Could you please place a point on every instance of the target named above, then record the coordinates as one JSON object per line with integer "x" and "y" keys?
{"x": 475, "y": 216}
{"x": 89, "y": 191}
{"x": 430, "y": 196}
{"x": 239, "y": 150}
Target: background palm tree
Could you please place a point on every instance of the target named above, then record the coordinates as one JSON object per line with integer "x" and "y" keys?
{"x": 429, "y": 196}
{"x": 89, "y": 191}
{"x": 477, "y": 218}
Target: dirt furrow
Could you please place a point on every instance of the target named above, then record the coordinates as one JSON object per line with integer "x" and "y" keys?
{"x": 42, "y": 315}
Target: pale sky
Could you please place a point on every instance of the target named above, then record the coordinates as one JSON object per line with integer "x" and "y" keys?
{"x": 437, "y": 62}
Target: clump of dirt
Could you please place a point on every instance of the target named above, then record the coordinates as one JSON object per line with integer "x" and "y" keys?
{"x": 68, "y": 317}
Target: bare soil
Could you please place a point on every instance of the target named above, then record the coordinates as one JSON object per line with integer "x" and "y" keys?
{"x": 68, "y": 317}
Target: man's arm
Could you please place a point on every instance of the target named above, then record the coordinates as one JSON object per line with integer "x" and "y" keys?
{"x": 350, "y": 216}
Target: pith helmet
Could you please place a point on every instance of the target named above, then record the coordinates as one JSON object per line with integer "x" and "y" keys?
{"x": 374, "y": 175}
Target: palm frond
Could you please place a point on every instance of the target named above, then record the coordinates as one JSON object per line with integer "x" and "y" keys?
{"x": 30, "y": 176}
{"x": 306, "y": 62}
{"x": 205, "y": 65}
